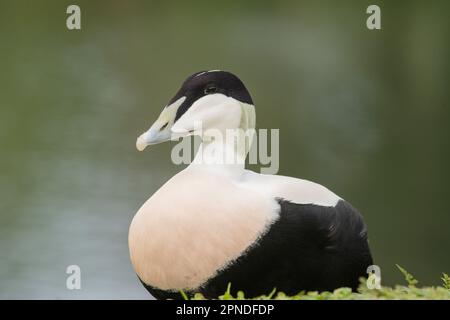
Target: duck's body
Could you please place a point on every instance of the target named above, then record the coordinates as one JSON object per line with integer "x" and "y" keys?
{"x": 215, "y": 223}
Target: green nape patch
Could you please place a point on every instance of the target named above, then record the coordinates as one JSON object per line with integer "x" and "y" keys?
{"x": 399, "y": 292}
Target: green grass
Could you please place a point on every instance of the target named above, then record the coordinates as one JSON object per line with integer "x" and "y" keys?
{"x": 409, "y": 291}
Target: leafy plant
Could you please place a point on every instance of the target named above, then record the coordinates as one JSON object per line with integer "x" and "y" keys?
{"x": 408, "y": 276}
{"x": 446, "y": 280}
{"x": 398, "y": 292}
{"x": 184, "y": 295}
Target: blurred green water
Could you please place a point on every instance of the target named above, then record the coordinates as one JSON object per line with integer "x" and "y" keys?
{"x": 363, "y": 112}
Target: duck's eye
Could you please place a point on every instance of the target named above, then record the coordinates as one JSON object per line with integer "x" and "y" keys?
{"x": 210, "y": 89}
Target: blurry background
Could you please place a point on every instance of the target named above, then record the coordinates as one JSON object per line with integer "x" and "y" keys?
{"x": 365, "y": 113}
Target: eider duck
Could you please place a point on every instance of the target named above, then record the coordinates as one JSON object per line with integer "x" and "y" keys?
{"x": 216, "y": 223}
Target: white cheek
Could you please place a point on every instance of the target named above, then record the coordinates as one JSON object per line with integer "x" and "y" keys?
{"x": 212, "y": 111}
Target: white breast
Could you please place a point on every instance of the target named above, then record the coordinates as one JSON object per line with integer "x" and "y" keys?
{"x": 195, "y": 225}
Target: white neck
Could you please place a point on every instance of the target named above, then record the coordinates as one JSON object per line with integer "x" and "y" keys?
{"x": 220, "y": 155}
{"x": 228, "y": 150}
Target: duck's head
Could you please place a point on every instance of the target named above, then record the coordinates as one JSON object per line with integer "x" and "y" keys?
{"x": 215, "y": 99}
